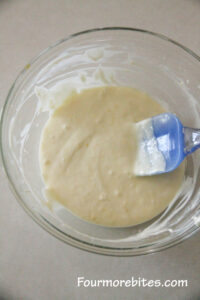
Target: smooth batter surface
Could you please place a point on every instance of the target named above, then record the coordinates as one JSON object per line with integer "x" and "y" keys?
{"x": 87, "y": 155}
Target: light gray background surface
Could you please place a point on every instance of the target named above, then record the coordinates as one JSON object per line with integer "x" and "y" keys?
{"x": 33, "y": 264}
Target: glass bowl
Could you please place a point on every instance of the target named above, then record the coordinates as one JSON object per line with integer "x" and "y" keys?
{"x": 166, "y": 70}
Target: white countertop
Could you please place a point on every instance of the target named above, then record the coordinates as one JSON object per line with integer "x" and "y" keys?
{"x": 33, "y": 264}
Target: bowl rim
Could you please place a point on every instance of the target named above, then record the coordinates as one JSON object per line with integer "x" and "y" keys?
{"x": 39, "y": 219}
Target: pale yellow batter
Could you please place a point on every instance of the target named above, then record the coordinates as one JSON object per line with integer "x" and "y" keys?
{"x": 87, "y": 154}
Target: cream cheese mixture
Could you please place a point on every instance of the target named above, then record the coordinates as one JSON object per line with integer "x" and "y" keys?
{"x": 87, "y": 154}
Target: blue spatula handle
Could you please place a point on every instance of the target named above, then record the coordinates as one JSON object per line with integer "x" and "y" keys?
{"x": 191, "y": 139}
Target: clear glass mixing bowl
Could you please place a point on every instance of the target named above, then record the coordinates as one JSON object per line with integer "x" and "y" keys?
{"x": 166, "y": 70}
